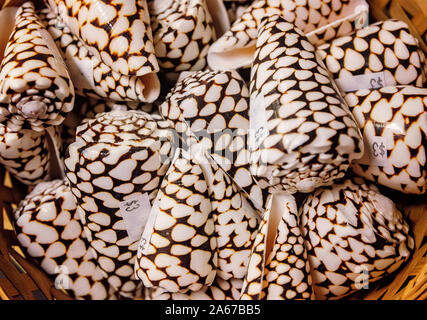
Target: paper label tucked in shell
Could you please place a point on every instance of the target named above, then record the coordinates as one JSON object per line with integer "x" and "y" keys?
{"x": 135, "y": 212}
{"x": 375, "y": 151}
{"x": 144, "y": 242}
{"x": 258, "y": 129}
{"x": 363, "y": 81}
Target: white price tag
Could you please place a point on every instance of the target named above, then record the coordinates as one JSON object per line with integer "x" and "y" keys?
{"x": 375, "y": 151}
{"x": 135, "y": 212}
{"x": 148, "y": 230}
{"x": 379, "y": 151}
{"x": 364, "y": 81}
{"x": 258, "y": 129}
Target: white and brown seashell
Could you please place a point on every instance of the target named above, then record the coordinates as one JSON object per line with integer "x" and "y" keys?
{"x": 118, "y": 33}
{"x": 384, "y": 51}
{"x": 302, "y": 134}
{"x": 211, "y": 108}
{"x": 35, "y": 88}
{"x": 278, "y": 267}
{"x": 95, "y": 78}
{"x": 202, "y": 228}
{"x": 184, "y": 30}
{"x": 319, "y": 20}
{"x": 393, "y": 121}
{"x": 181, "y": 253}
{"x": 31, "y": 156}
{"x": 87, "y": 108}
{"x": 49, "y": 230}
{"x": 117, "y": 156}
{"x": 354, "y": 236}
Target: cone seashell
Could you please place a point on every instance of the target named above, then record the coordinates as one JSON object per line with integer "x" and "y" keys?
{"x": 302, "y": 134}
{"x": 380, "y": 55}
{"x": 87, "y": 108}
{"x": 50, "y": 231}
{"x": 28, "y": 155}
{"x": 181, "y": 252}
{"x": 184, "y": 30}
{"x": 94, "y": 78}
{"x": 35, "y": 88}
{"x": 201, "y": 224}
{"x": 212, "y": 108}
{"x": 118, "y": 159}
{"x": 319, "y": 20}
{"x": 354, "y": 236}
{"x": 118, "y": 33}
{"x": 393, "y": 121}
{"x": 278, "y": 268}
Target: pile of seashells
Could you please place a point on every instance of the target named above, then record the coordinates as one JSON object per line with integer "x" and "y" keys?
{"x": 212, "y": 149}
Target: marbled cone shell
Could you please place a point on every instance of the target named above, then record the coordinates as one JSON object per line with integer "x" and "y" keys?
{"x": 119, "y": 33}
{"x": 236, "y": 221}
{"x": 91, "y": 76}
{"x": 181, "y": 253}
{"x": 50, "y": 231}
{"x": 183, "y": 32}
{"x": 116, "y": 156}
{"x": 212, "y": 108}
{"x": 87, "y": 108}
{"x": 33, "y": 73}
{"x": 313, "y": 136}
{"x": 399, "y": 116}
{"x": 354, "y": 236}
{"x": 25, "y": 154}
{"x": 204, "y": 227}
{"x": 284, "y": 272}
{"x": 321, "y": 20}
{"x": 28, "y": 154}
{"x": 385, "y": 46}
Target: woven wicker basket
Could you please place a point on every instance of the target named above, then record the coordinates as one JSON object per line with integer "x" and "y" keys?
{"x": 20, "y": 278}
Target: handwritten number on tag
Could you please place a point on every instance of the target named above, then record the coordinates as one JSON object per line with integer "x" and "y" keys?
{"x": 260, "y": 134}
{"x": 132, "y": 205}
{"x": 135, "y": 212}
{"x": 142, "y": 244}
{"x": 376, "y": 83}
